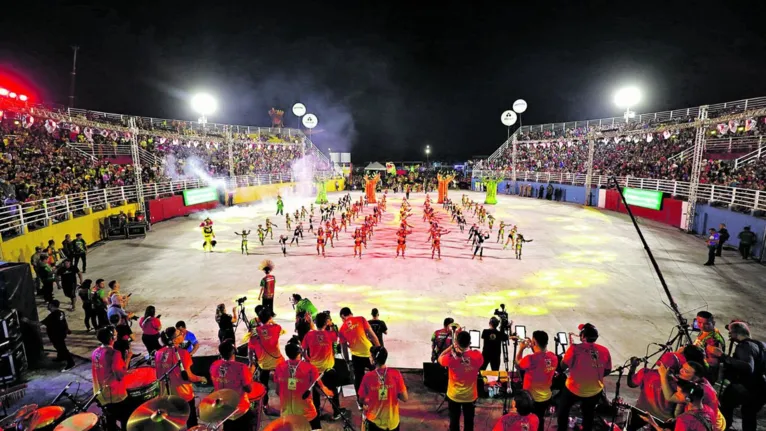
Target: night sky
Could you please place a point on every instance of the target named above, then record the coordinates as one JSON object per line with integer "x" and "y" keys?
{"x": 387, "y": 78}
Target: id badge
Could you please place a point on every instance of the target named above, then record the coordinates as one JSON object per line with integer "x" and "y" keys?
{"x": 292, "y": 384}
{"x": 383, "y": 393}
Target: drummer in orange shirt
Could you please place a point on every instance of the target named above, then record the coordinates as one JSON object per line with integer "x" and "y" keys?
{"x": 109, "y": 371}
{"x": 380, "y": 392}
{"x": 165, "y": 359}
{"x": 357, "y": 335}
{"x": 263, "y": 346}
{"x": 227, "y": 373}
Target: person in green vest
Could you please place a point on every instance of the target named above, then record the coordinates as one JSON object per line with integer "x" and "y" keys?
{"x": 80, "y": 250}
{"x": 304, "y": 304}
{"x": 48, "y": 275}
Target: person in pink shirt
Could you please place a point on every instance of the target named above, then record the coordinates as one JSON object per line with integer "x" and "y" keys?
{"x": 151, "y": 326}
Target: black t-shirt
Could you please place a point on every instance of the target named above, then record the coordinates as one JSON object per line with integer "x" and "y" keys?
{"x": 56, "y": 325}
{"x": 68, "y": 275}
{"x": 492, "y": 339}
{"x": 378, "y": 327}
{"x": 225, "y": 322}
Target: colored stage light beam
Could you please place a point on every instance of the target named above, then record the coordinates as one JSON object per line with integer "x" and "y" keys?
{"x": 585, "y": 239}
{"x": 588, "y": 256}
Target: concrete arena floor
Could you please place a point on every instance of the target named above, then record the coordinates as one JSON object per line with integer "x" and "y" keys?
{"x": 584, "y": 265}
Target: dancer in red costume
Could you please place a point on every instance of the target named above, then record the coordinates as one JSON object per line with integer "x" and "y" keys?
{"x": 401, "y": 241}
{"x": 358, "y": 241}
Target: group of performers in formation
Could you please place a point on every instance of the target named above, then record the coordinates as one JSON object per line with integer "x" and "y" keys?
{"x": 329, "y": 228}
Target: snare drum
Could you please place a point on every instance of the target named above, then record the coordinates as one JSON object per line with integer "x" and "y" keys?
{"x": 256, "y": 395}
{"x": 142, "y": 384}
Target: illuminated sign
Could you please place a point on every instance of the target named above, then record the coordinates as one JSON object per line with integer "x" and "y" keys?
{"x": 643, "y": 198}
{"x": 198, "y": 196}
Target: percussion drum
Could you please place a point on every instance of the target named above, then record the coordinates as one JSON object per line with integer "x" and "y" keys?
{"x": 142, "y": 384}
{"x": 256, "y": 395}
{"x": 45, "y": 418}
{"x": 79, "y": 422}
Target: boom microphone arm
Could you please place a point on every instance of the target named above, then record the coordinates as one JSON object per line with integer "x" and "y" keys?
{"x": 682, "y": 324}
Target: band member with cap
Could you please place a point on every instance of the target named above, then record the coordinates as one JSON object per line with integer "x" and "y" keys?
{"x": 380, "y": 392}
{"x": 180, "y": 380}
{"x": 589, "y": 363}
{"x": 228, "y": 373}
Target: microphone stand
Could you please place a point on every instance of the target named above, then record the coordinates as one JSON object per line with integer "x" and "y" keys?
{"x": 61, "y": 394}
{"x": 616, "y": 398}
{"x": 509, "y": 387}
{"x": 682, "y": 323}
{"x": 165, "y": 378}
{"x": 723, "y": 366}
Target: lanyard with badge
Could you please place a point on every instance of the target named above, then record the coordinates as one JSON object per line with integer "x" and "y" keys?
{"x": 383, "y": 389}
{"x": 292, "y": 382}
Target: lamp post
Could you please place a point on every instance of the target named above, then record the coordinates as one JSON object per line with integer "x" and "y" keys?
{"x": 428, "y": 154}
{"x": 204, "y": 104}
{"x": 627, "y": 98}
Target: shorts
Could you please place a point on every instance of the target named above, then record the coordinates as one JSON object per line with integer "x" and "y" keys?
{"x": 69, "y": 291}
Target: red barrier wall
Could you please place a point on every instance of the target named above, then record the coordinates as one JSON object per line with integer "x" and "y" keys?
{"x": 166, "y": 208}
{"x": 669, "y": 214}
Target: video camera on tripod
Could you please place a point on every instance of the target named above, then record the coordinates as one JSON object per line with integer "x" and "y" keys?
{"x": 505, "y": 324}
{"x": 241, "y": 300}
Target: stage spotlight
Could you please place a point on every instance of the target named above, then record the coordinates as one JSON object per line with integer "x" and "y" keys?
{"x": 3, "y": 92}
{"x": 23, "y": 97}
{"x": 204, "y": 104}
{"x": 12, "y": 95}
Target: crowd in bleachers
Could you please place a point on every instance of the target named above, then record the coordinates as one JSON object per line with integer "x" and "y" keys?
{"x": 659, "y": 155}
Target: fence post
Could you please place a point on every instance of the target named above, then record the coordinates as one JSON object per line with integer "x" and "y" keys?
{"x": 755, "y": 202}
{"x": 87, "y": 204}
{"x": 24, "y": 228}
{"x": 68, "y": 211}
{"x": 156, "y": 192}
{"x": 106, "y": 200}
{"x": 712, "y": 192}
{"x": 47, "y": 221}
{"x": 675, "y": 187}
{"x": 122, "y": 193}
{"x": 641, "y": 184}
{"x": 733, "y": 196}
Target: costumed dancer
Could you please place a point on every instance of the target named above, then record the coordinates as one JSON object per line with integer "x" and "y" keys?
{"x": 280, "y": 207}
{"x": 244, "y": 235}
{"x": 296, "y": 235}
{"x": 320, "y": 241}
{"x": 303, "y": 212}
{"x": 208, "y": 235}
{"x": 311, "y": 223}
{"x": 478, "y": 241}
{"x": 491, "y": 219}
{"x": 511, "y": 236}
{"x": 283, "y": 244}
{"x": 501, "y": 231}
{"x": 436, "y": 244}
{"x": 288, "y": 221}
{"x": 269, "y": 230}
{"x": 268, "y": 285}
{"x": 519, "y": 244}
{"x": 297, "y": 215}
{"x": 472, "y": 232}
{"x": 358, "y": 240}
{"x": 401, "y": 241}
{"x": 328, "y": 234}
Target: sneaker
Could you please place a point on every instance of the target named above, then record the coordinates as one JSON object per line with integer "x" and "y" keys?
{"x": 67, "y": 368}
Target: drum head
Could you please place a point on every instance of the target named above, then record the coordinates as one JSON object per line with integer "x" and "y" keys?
{"x": 78, "y": 422}
{"x": 45, "y": 416}
{"x": 139, "y": 377}
{"x": 257, "y": 392}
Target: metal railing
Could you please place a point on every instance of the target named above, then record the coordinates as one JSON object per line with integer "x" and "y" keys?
{"x": 37, "y": 214}
{"x": 731, "y": 196}
{"x": 714, "y": 110}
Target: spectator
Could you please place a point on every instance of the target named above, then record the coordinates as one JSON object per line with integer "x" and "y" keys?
{"x": 746, "y": 240}
{"x": 99, "y": 302}
{"x": 48, "y": 275}
{"x": 80, "y": 250}
{"x": 190, "y": 342}
{"x": 378, "y": 326}
{"x": 225, "y": 323}
{"x": 66, "y": 247}
{"x": 723, "y": 235}
{"x": 84, "y": 292}
{"x": 151, "y": 326}
{"x": 493, "y": 339}
{"x": 67, "y": 276}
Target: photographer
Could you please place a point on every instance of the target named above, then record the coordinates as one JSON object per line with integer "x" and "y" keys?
{"x": 463, "y": 365}
{"x": 225, "y": 323}
{"x": 304, "y": 304}
{"x": 696, "y": 415}
{"x": 745, "y": 369}
{"x": 303, "y": 324}
{"x": 151, "y": 327}
{"x": 589, "y": 363}
{"x": 115, "y": 309}
{"x": 539, "y": 368}
{"x": 493, "y": 339}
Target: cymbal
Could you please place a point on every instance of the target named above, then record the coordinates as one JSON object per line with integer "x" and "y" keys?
{"x": 289, "y": 423}
{"x": 45, "y": 416}
{"x": 20, "y": 414}
{"x": 160, "y": 414}
{"x": 201, "y": 428}
{"x": 217, "y": 406}
{"x": 78, "y": 422}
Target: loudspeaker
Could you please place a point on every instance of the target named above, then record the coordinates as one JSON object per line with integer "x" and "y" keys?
{"x": 136, "y": 229}
{"x": 13, "y": 362}
{"x": 435, "y": 377}
{"x": 342, "y": 375}
{"x": 10, "y": 329}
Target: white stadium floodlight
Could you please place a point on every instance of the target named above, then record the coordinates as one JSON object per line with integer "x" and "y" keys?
{"x": 508, "y": 118}
{"x": 299, "y": 109}
{"x": 627, "y": 97}
{"x": 310, "y": 121}
{"x": 204, "y": 104}
{"x": 519, "y": 106}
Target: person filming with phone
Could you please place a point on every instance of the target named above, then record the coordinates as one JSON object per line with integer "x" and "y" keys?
{"x": 539, "y": 368}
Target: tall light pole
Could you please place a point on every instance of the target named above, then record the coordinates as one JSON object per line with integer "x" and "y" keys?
{"x": 204, "y": 104}
{"x": 627, "y": 98}
{"x": 73, "y": 76}
{"x": 428, "y": 154}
